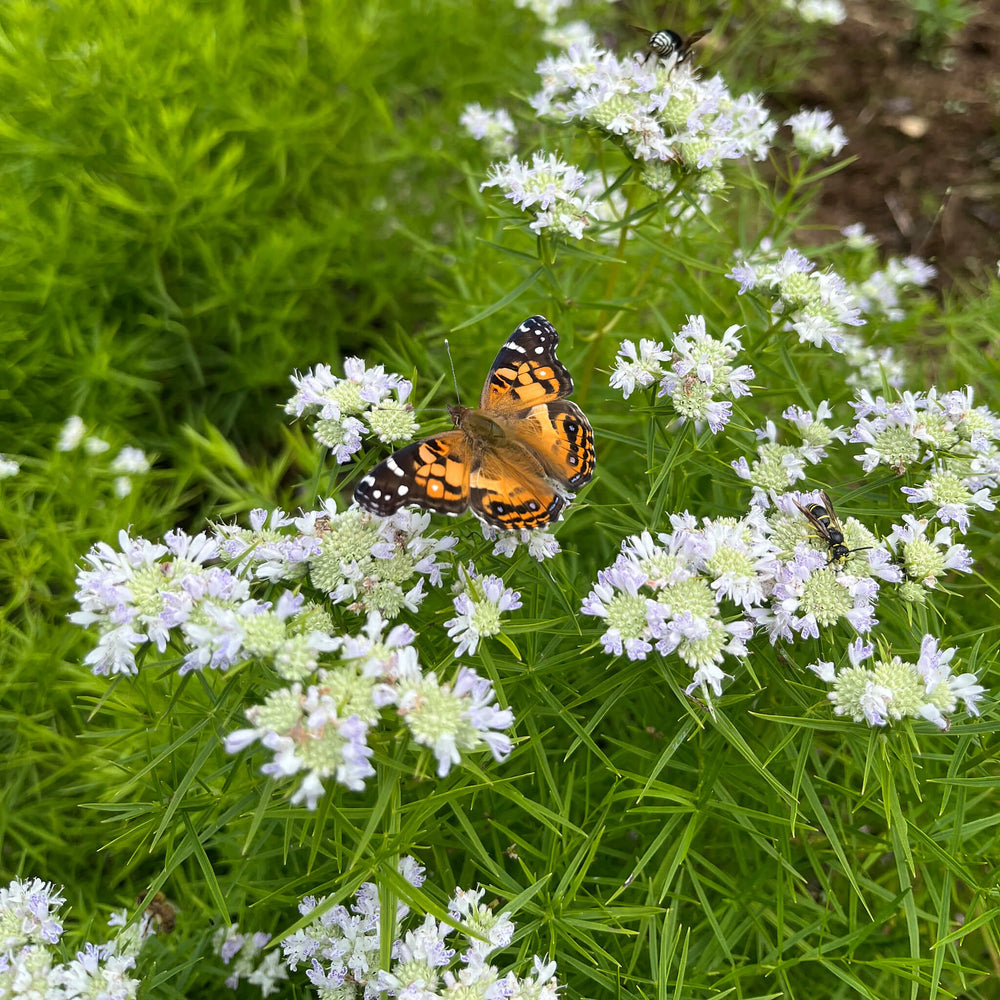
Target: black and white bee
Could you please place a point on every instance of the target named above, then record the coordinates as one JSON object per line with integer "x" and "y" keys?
{"x": 666, "y": 43}
{"x": 828, "y": 527}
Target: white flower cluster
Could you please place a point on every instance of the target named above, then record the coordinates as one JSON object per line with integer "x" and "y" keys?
{"x": 661, "y": 112}
{"x": 349, "y": 556}
{"x": 924, "y": 559}
{"x": 815, "y": 305}
{"x": 775, "y": 570}
{"x": 878, "y": 294}
{"x": 342, "y": 410}
{"x": 154, "y": 594}
{"x": 817, "y": 11}
{"x": 340, "y": 950}
{"x": 128, "y": 463}
{"x": 569, "y": 33}
{"x": 547, "y": 11}
{"x": 872, "y": 367}
{"x": 959, "y": 441}
{"x": 494, "y": 128}
{"x": 8, "y": 467}
{"x": 147, "y": 593}
{"x": 320, "y": 730}
{"x": 242, "y": 950}
{"x": 692, "y": 374}
{"x": 684, "y": 593}
{"x": 550, "y": 187}
{"x": 151, "y": 594}
{"x": 807, "y": 588}
{"x": 540, "y": 543}
{"x": 30, "y": 932}
{"x": 779, "y": 466}
{"x": 478, "y": 607}
{"x": 891, "y": 688}
{"x": 815, "y": 135}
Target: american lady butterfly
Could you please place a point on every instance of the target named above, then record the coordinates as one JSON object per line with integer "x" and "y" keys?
{"x": 516, "y": 461}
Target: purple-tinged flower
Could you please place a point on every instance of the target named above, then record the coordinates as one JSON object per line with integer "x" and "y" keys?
{"x": 549, "y": 186}
{"x": 616, "y": 598}
{"x": 951, "y": 496}
{"x": 886, "y": 690}
{"x": 540, "y": 542}
{"x": 638, "y": 367}
{"x": 926, "y": 559}
{"x": 494, "y": 128}
{"x": 479, "y": 607}
{"x": 452, "y": 718}
{"x": 28, "y": 910}
{"x": 337, "y": 405}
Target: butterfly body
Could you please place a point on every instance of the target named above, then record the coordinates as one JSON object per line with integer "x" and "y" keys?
{"x": 516, "y": 460}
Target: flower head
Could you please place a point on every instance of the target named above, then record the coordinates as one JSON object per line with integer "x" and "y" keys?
{"x": 495, "y": 128}
{"x": 456, "y": 717}
{"x": 479, "y": 606}
{"x": 891, "y": 688}
{"x": 665, "y": 116}
{"x": 815, "y": 135}
{"x": 550, "y": 187}
{"x": 340, "y": 408}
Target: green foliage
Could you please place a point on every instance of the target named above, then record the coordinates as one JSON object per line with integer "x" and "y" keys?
{"x": 937, "y": 24}
{"x": 200, "y": 197}
{"x": 186, "y": 224}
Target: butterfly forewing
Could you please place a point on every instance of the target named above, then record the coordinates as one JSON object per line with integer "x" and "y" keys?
{"x": 433, "y": 474}
{"x": 526, "y": 370}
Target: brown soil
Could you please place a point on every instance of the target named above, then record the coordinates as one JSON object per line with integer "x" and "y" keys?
{"x": 927, "y": 139}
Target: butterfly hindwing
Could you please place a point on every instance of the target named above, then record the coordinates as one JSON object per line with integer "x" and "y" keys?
{"x": 508, "y": 490}
{"x": 561, "y": 438}
{"x": 433, "y": 473}
{"x": 526, "y": 370}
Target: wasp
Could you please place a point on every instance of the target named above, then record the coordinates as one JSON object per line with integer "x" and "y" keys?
{"x": 665, "y": 43}
{"x": 824, "y": 519}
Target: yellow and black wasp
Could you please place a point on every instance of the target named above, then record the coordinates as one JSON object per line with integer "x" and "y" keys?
{"x": 665, "y": 43}
{"x": 827, "y": 525}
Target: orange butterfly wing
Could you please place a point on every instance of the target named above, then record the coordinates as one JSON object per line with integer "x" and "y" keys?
{"x": 509, "y": 490}
{"x": 526, "y": 370}
{"x": 548, "y": 451}
{"x": 433, "y": 473}
{"x": 561, "y": 438}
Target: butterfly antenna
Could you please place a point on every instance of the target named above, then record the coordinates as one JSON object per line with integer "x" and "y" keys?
{"x": 454, "y": 377}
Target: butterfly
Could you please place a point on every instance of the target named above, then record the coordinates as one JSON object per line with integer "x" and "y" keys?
{"x": 516, "y": 461}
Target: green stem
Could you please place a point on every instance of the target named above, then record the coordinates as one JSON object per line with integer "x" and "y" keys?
{"x": 604, "y": 322}
{"x": 386, "y": 893}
